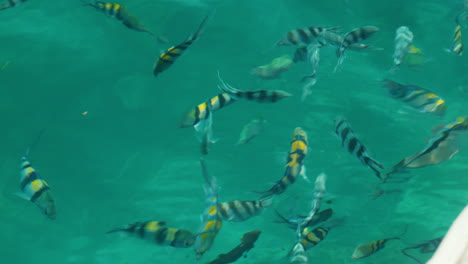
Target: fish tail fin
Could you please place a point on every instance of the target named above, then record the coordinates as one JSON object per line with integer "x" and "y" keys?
{"x": 375, "y": 166}
{"x": 226, "y": 87}
{"x": 403, "y": 251}
{"x": 266, "y": 194}
{"x": 116, "y": 230}
{"x": 266, "y": 202}
{"x": 201, "y": 27}
{"x": 34, "y": 143}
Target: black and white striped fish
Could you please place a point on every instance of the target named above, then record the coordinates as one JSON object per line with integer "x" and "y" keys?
{"x": 35, "y": 189}
{"x": 259, "y": 96}
{"x": 355, "y": 147}
{"x": 457, "y": 42}
{"x": 303, "y": 36}
{"x": 157, "y": 232}
{"x": 237, "y": 211}
{"x": 203, "y": 111}
{"x": 354, "y": 36}
{"x": 11, "y": 3}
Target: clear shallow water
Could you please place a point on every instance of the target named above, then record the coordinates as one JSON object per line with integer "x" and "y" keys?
{"x": 127, "y": 161}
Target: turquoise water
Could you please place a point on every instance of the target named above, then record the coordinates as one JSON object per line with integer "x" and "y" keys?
{"x": 126, "y": 160}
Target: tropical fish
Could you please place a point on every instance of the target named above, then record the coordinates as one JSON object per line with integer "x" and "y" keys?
{"x": 331, "y": 38}
{"x": 457, "y": 42}
{"x": 313, "y": 58}
{"x": 238, "y": 211}
{"x": 354, "y": 36}
{"x": 204, "y": 131}
{"x": 211, "y": 220}
{"x": 355, "y": 147}
{"x": 12, "y": 3}
{"x": 415, "y": 57}
{"x": 416, "y": 97}
{"x": 36, "y": 189}
{"x": 439, "y": 148}
{"x": 298, "y": 254}
{"x": 120, "y": 13}
{"x": 247, "y": 243}
{"x": 365, "y": 250}
{"x": 303, "y": 36}
{"x": 312, "y": 236}
{"x": 321, "y": 216}
{"x": 168, "y": 57}
{"x": 426, "y": 247}
{"x": 251, "y": 130}
{"x": 294, "y": 165}
{"x": 403, "y": 41}
{"x": 274, "y": 68}
{"x": 203, "y": 110}
{"x": 157, "y": 232}
{"x": 259, "y": 96}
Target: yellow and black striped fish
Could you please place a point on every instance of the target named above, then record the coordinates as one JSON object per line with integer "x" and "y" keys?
{"x": 457, "y": 42}
{"x": 35, "y": 189}
{"x": 365, "y": 250}
{"x": 237, "y": 211}
{"x": 311, "y": 237}
{"x": 294, "y": 165}
{"x": 202, "y": 111}
{"x": 426, "y": 247}
{"x": 260, "y": 96}
{"x": 120, "y": 13}
{"x": 211, "y": 219}
{"x": 11, "y": 3}
{"x": 157, "y": 232}
{"x": 354, "y": 36}
{"x": 304, "y": 36}
{"x": 355, "y": 147}
{"x": 416, "y": 97}
{"x": 167, "y": 58}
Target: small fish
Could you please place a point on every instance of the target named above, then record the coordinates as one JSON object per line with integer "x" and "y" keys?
{"x": 211, "y": 220}
{"x": 12, "y": 3}
{"x": 157, "y": 232}
{"x": 238, "y": 211}
{"x": 251, "y": 130}
{"x": 36, "y": 189}
{"x": 319, "y": 217}
{"x": 354, "y": 36}
{"x": 303, "y": 36}
{"x": 259, "y": 96}
{"x": 204, "y": 132}
{"x": 298, "y": 254}
{"x": 365, "y": 250}
{"x": 203, "y": 110}
{"x": 355, "y": 147}
{"x": 248, "y": 240}
{"x": 274, "y": 69}
{"x": 403, "y": 41}
{"x": 426, "y": 247}
{"x": 120, "y": 13}
{"x": 416, "y": 97}
{"x": 312, "y": 236}
{"x": 457, "y": 42}
{"x": 4, "y": 65}
{"x": 168, "y": 57}
{"x": 294, "y": 165}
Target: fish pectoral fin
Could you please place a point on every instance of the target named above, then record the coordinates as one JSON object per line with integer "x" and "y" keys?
{"x": 22, "y": 196}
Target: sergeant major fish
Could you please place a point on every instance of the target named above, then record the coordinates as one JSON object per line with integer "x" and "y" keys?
{"x": 168, "y": 57}
{"x": 120, "y": 13}
{"x": 11, "y": 3}
{"x": 355, "y": 147}
{"x": 354, "y": 36}
{"x": 365, "y": 250}
{"x": 203, "y": 110}
{"x": 457, "y": 42}
{"x": 260, "y": 96}
{"x": 238, "y": 211}
{"x": 403, "y": 41}
{"x": 251, "y": 130}
{"x": 294, "y": 165}
{"x": 157, "y": 232}
{"x": 36, "y": 189}
{"x": 303, "y": 36}
{"x": 248, "y": 240}
{"x": 416, "y": 97}
{"x": 211, "y": 220}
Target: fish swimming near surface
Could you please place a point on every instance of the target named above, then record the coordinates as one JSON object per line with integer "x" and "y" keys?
{"x": 416, "y": 97}
{"x": 247, "y": 243}
{"x": 168, "y": 57}
{"x": 319, "y": 217}
{"x": 440, "y": 148}
{"x": 120, "y": 13}
{"x": 157, "y": 232}
{"x": 211, "y": 220}
{"x": 259, "y": 96}
{"x": 354, "y": 36}
{"x": 11, "y": 3}
{"x": 251, "y": 130}
{"x": 403, "y": 41}
{"x": 294, "y": 165}
{"x": 203, "y": 111}
{"x": 303, "y": 36}
{"x": 426, "y": 247}
{"x": 355, "y": 147}
{"x": 35, "y": 189}
{"x": 238, "y": 211}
